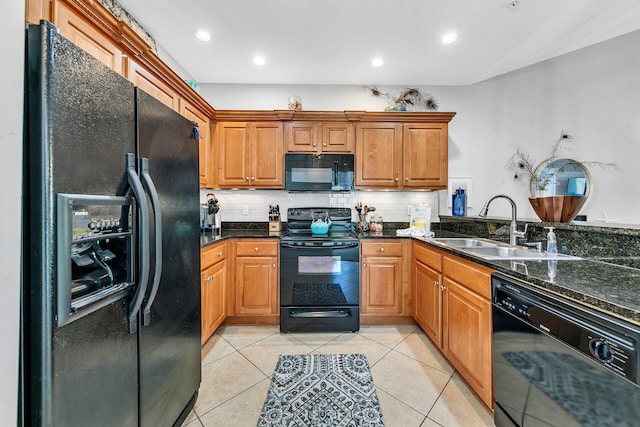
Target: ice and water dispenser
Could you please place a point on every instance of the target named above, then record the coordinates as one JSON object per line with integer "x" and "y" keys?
{"x": 94, "y": 253}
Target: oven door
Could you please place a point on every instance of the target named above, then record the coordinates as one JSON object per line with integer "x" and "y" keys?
{"x": 319, "y": 288}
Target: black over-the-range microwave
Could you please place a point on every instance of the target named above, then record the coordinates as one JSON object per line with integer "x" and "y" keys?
{"x": 318, "y": 172}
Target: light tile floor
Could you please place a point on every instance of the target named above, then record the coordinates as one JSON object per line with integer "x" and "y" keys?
{"x": 414, "y": 382}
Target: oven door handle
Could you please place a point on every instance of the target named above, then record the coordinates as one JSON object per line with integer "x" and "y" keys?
{"x": 332, "y": 313}
{"x": 293, "y": 245}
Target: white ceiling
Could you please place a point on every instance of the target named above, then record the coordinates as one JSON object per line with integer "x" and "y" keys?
{"x": 334, "y": 41}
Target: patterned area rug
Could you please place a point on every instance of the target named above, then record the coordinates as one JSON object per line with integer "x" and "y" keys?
{"x": 590, "y": 396}
{"x": 327, "y": 390}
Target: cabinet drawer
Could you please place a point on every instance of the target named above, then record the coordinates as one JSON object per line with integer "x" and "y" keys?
{"x": 212, "y": 254}
{"x": 381, "y": 248}
{"x": 256, "y": 248}
{"x": 429, "y": 257}
{"x": 470, "y": 275}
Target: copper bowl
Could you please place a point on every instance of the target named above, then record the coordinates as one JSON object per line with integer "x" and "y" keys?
{"x": 557, "y": 208}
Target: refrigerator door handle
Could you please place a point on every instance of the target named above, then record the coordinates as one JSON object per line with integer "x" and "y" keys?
{"x": 138, "y": 192}
{"x": 157, "y": 212}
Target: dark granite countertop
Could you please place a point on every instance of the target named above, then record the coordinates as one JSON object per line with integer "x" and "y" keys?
{"x": 611, "y": 284}
{"x": 610, "y": 287}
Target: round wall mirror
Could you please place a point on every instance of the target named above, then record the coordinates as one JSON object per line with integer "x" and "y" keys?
{"x": 562, "y": 177}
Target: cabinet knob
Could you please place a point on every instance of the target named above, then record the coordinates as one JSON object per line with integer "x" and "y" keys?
{"x": 364, "y": 265}
{"x": 220, "y": 253}
{"x": 324, "y": 144}
{"x": 435, "y": 283}
{"x": 406, "y": 179}
{"x": 253, "y": 178}
{"x": 247, "y": 178}
{"x": 274, "y": 266}
{"x": 381, "y": 249}
{"x": 397, "y": 179}
{"x": 443, "y": 288}
{"x": 314, "y": 144}
{"x": 255, "y": 249}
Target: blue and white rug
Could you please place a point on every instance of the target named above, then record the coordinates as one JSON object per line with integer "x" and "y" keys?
{"x": 328, "y": 390}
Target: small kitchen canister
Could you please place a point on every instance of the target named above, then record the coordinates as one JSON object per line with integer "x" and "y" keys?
{"x": 375, "y": 225}
{"x": 295, "y": 103}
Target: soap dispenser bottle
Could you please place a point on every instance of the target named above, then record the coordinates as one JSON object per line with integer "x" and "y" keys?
{"x": 552, "y": 243}
{"x": 552, "y": 248}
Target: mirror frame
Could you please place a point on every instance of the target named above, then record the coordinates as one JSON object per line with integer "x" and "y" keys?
{"x": 589, "y": 191}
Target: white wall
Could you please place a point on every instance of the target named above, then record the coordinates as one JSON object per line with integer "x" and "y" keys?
{"x": 591, "y": 93}
{"x": 12, "y": 50}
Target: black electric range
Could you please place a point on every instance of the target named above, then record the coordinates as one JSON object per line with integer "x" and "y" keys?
{"x": 319, "y": 273}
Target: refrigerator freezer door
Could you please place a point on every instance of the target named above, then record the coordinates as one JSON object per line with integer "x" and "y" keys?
{"x": 80, "y": 125}
{"x": 170, "y": 342}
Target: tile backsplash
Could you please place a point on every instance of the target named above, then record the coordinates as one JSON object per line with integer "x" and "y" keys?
{"x": 253, "y": 205}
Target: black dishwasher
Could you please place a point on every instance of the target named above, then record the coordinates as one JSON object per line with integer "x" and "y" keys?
{"x": 559, "y": 363}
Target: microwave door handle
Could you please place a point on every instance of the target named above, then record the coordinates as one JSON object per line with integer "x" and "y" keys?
{"x": 143, "y": 236}
{"x": 157, "y": 213}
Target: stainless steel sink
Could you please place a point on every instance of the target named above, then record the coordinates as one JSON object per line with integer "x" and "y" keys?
{"x": 513, "y": 252}
{"x": 492, "y": 250}
{"x": 463, "y": 242}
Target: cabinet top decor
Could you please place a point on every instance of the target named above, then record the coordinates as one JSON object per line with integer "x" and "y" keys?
{"x": 337, "y": 116}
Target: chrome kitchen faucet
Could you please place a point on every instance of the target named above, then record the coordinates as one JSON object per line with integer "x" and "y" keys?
{"x": 514, "y": 234}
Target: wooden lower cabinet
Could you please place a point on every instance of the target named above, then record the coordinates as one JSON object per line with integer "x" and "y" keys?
{"x": 466, "y": 319}
{"x": 453, "y": 306}
{"x": 384, "y": 278}
{"x": 213, "y": 281}
{"x": 428, "y": 301}
{"x": 256, "y": 285}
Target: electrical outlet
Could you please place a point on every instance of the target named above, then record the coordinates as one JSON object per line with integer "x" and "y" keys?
{"x": 245, "y": 209}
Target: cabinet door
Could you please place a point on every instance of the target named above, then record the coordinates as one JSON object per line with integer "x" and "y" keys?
{"x": 467, "y": 336}
{"x": 428, "y": 301}
{"x": 425, "y": 152}
{"x": 148, "y": 82}
{"x": 83, "y": 34}
{"x": 267, "y": 155}
{"x": 256, "y": 286}
{"x": 213, "y": 298}
{"x": 381, "y": 285}
{"x": 378, "y": 154}
{"x": 232, "y": 148}
{"x": 205, "y": 144}
{"x": 337, "y": 137}
{"x": 301, "y": 137}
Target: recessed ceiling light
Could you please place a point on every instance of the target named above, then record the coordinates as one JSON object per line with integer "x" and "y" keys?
{"x": 203, "y": 35}
{"x": 259, "y": 60}
{"x": 377, "y": 62}
{"x": 449, "y": 38}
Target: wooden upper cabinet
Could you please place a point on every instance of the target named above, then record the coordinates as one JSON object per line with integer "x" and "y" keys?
{"x": 267, "y": 155}
{"x": 151, "y": 84}
{"x": 83, "y": 34}
{"x": 425, "y": 155}
{"x": 378, "y": 155}
{"x": 232, "y": 153}
{"x": 402, "y": 155}
{"x": 309, "y": 137}
{"x": 205, "y": 143}
{"x": 250, "y": 154}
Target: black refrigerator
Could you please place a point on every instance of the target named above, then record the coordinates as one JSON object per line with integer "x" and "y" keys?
{"x": 111, "y": 252}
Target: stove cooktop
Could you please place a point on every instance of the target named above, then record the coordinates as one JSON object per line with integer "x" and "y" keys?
{"x": 299, "y": 226}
